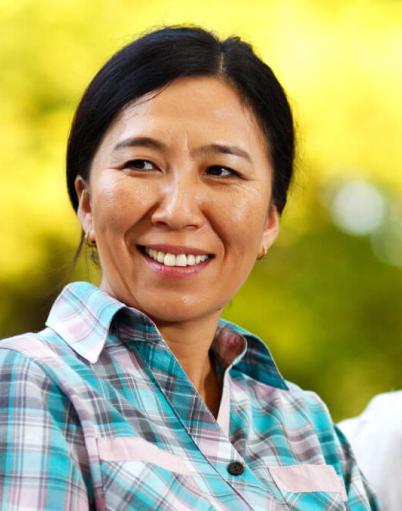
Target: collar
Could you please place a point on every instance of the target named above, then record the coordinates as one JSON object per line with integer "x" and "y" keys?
{"x": 82, "y": 316}
{"x": 247, "y": 353}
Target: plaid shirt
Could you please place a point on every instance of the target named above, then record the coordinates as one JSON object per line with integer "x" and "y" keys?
{"x": 97, "y": 413}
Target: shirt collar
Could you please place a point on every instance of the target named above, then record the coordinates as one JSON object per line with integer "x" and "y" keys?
{"x": 82, "y": 315}
{"x": 247, "y": 353}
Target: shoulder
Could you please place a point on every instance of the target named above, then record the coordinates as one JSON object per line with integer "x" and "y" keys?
{"x": 27, "y": 386}
{"x": 307, "y": 401}
{"x": 24, "y": 357}
{"x": 308, "y": 413}
{"x": 36, "y": 380}
{"x": 295, "y": 407}
{"x": 34, "y": 356}
{"x": 20, "y": 349}
{"x": 312, "y": 410}
{"x": 37, "y": 347}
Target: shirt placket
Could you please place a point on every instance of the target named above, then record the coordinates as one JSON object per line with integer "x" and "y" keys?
{"x": 205, "y": 432}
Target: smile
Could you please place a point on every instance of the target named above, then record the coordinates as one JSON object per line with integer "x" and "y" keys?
{"x": 168, "y": 259}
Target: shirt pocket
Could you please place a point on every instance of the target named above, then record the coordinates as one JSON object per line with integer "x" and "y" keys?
{"x": 138, "y": 449}
{"x": 310, "y": 487}
{"x": 137, "y": 474}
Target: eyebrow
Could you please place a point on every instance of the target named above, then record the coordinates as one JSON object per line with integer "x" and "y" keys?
{"x": 153, "y": 143}
{"x": 224, "y": 149}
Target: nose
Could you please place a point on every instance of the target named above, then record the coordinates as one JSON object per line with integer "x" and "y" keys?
{"x": 178, "y": 205}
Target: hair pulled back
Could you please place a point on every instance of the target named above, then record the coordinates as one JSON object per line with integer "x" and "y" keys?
{"x": 158, "y": 58}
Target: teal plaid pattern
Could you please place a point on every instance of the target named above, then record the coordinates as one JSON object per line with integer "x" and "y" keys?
{"x": 97, "y": 413}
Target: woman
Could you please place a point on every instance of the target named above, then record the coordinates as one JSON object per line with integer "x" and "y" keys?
{"x": 136, "y": 395}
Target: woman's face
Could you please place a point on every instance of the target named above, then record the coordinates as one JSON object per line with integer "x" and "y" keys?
{"x": 178, "y": 200}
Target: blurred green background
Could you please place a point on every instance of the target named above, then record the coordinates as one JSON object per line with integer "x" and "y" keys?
{"x": 328, "y": 298}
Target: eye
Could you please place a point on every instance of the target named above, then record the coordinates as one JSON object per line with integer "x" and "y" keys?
{"x": 140, "y": 165}
{"x": 219, "y": 171}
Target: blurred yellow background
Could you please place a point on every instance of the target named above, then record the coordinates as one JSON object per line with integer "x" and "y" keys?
{"x": 327, "y": 299}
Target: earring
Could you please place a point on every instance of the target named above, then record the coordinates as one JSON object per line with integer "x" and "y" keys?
{"x": 262, "y": 253}
{"x": 89, "y": 243}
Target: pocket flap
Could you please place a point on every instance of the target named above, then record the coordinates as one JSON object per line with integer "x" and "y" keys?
{"x": 308, "y": 478}
{"x": 138, "y": 449}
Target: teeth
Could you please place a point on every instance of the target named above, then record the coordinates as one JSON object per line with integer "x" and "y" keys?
{"x": 170, "y": 260}
{"x": 181, "y": 260}
{"x": 175, "y": 259}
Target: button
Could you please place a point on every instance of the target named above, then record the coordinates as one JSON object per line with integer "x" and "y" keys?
{"x": 235, "y": 468}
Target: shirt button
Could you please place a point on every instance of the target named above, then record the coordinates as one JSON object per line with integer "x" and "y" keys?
{"x": 235, "y": 468}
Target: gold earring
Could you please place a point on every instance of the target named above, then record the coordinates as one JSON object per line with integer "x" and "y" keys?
{"x": 89, "y": 243}
{"x": 262, "y": 253}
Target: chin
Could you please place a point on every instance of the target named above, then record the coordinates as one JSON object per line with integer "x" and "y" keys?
{"x": 168, "y": 307}
{"x": 177, "y": 312}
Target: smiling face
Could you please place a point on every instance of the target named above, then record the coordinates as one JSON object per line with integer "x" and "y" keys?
{"x": 178, "y": 200}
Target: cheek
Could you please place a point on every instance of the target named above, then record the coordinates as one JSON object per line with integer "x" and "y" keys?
{"x": 243, "y": 223}
{"x": 116, "y": 206}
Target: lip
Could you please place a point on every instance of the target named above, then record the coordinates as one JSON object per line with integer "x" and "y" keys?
{"x": 174, "y": 271}
{"x": 176, "y": 249}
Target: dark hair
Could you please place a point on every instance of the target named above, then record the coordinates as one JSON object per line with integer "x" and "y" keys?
{"x": 162, "y": 56}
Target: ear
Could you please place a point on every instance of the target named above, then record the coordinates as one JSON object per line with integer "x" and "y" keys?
{"x": 271, "y": 228}
{"x": 84, "y": 210}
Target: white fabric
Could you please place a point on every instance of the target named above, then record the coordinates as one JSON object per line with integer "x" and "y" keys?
{"x": 376, "y": 439}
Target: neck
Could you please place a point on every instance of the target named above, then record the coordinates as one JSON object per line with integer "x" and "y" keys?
{"x": 190, "y": 342}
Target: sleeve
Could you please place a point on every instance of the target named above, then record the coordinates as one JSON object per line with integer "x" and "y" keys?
{"x": 338, "y": 453}
{"x": 39, "y": 445}
{"x": 360, "y": 496}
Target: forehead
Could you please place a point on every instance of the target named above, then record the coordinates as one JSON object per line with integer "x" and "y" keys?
{"x": 200, "y": 109}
